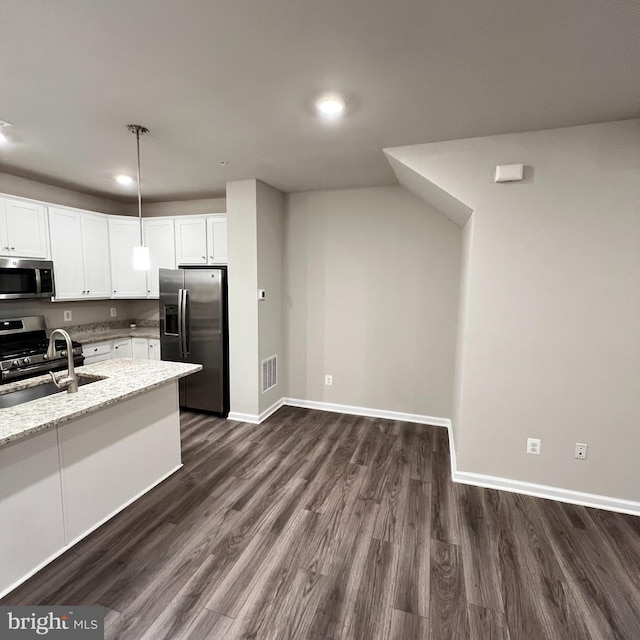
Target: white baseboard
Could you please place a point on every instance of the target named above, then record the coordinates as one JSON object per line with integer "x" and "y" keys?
{"x": 463, "y": 477}
{"x": 252, "y": 418}
{"x": 367, "y": 412}
{"x": 550, "y": 493}
{"x": 538, "y": 490}
{"x": 271, "y": 410}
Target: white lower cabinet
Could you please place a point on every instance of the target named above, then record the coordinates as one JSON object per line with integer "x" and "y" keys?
{"x": 122, "y": 348}
{"x": 97, "y": 464}
{"x": 140, "y": 348}
{"x": 154, "y": 349}
{"x": 97, "y": 352}
{"x": 106, "y": 457}
{"x": 31, "y": 525}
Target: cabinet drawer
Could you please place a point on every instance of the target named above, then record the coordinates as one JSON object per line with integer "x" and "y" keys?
{"x": 97, "y": 349}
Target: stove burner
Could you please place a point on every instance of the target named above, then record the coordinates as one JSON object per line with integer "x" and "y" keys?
{"x": 23, "y": 349}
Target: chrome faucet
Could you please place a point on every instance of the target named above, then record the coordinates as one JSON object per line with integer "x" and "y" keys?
{"x": 70, "y": 382}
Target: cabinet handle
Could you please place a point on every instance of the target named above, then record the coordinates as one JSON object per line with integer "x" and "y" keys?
{"x": 204, "y": 257}
{"x": 13, "y": 248}
{"x": 88, "y": 291}
{"x": 210, "y": 257}
{"x": 84, "y": 292}
{"x": 114, "y": 291}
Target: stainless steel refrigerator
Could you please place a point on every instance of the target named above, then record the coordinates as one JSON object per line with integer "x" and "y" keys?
{"x": 193, "y": 328}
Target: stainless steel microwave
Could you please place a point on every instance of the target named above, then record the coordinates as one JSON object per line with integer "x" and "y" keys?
{"x": 26, "y": 279}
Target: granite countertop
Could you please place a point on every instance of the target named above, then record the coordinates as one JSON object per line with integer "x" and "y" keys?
{"x": 116, "y": 380}
{"x": 90, "y": 333}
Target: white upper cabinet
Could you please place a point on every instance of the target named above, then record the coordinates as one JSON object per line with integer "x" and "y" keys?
{"x": 201, "y": 240}
{"x": 80, "y": 254}
{"x": 124, "y": 235}
{"x": 217, "y": 240}
{"x": 95, "y": 255}
{"x": 159, "y": 236}
{"x": 191, "y": 241}
{"x": 66, "y": 252}
{"x": 23, "y": 229}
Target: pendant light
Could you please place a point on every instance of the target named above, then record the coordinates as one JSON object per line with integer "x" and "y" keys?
{"x": 141, "y": 258}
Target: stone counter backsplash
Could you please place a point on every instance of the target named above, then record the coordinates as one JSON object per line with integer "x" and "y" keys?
{"x": 88, "y": 333}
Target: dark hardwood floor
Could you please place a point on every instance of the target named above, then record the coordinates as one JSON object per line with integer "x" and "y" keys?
{"x": 321, "y": 526}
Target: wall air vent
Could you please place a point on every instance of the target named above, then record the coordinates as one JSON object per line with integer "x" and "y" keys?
{"x": 269, "y": 373}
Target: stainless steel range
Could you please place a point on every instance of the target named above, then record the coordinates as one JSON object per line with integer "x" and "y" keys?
{"x": 23, "y": 349}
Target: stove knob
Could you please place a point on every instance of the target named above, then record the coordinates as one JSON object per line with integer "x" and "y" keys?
{"x": 26, "y": 361}
{"x": 15, "y": 363}
{"x": 45, "y": 357}
{"x": 63, "y": 353}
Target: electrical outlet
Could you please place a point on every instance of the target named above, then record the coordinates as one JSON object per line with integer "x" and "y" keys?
{"x": 67, "y": 315}
{"x": 113, "y": 311}
{"x": 533, "y": 446}
{"x": 581, "y": 451}
{"x": 328, "y": 380}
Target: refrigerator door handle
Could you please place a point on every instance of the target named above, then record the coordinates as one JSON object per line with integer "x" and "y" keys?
{"x": 181, "y": 321}
{"x": 185, "y": 322}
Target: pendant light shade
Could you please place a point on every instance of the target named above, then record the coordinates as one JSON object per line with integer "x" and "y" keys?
{"x": 141, "y": 257}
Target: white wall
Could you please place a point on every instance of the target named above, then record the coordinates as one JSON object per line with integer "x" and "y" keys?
{"x": 270, "y": 225}
{"x": 17, "y": 186}
{"x": 371, "y": 298}
{"x": 550, "y": 346}
{"x": 243, "y": 303}
{"x": 179, "y": 207}
{"x": 255, "y": 232}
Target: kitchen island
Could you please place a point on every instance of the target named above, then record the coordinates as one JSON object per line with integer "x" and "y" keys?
{"x": 70, "y": 462}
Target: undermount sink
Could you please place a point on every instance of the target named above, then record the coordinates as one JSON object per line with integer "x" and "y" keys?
{"x": 43, "y": 390}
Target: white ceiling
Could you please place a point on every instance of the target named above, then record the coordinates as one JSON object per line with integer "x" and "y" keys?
{"x": 235, "y": 80}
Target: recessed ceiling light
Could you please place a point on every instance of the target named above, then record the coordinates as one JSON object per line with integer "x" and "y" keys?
{"x": 122, "y": 179}
{"x": 330, "y": 106}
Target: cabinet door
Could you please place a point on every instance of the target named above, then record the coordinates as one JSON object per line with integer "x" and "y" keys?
{"x": 140, "y": 348}
{"x": 154, "y": 349}
{"x": 66, "y": 252}
{"x": 95, "y": 255}
{"x": 122, "y": 348}
{"x": 159, "y": 236}
{"x": 26, "y": 229}
{"x": 217, "y": 241}
{"x": 191, "y": 241}
{"x": 126, "y": 282}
